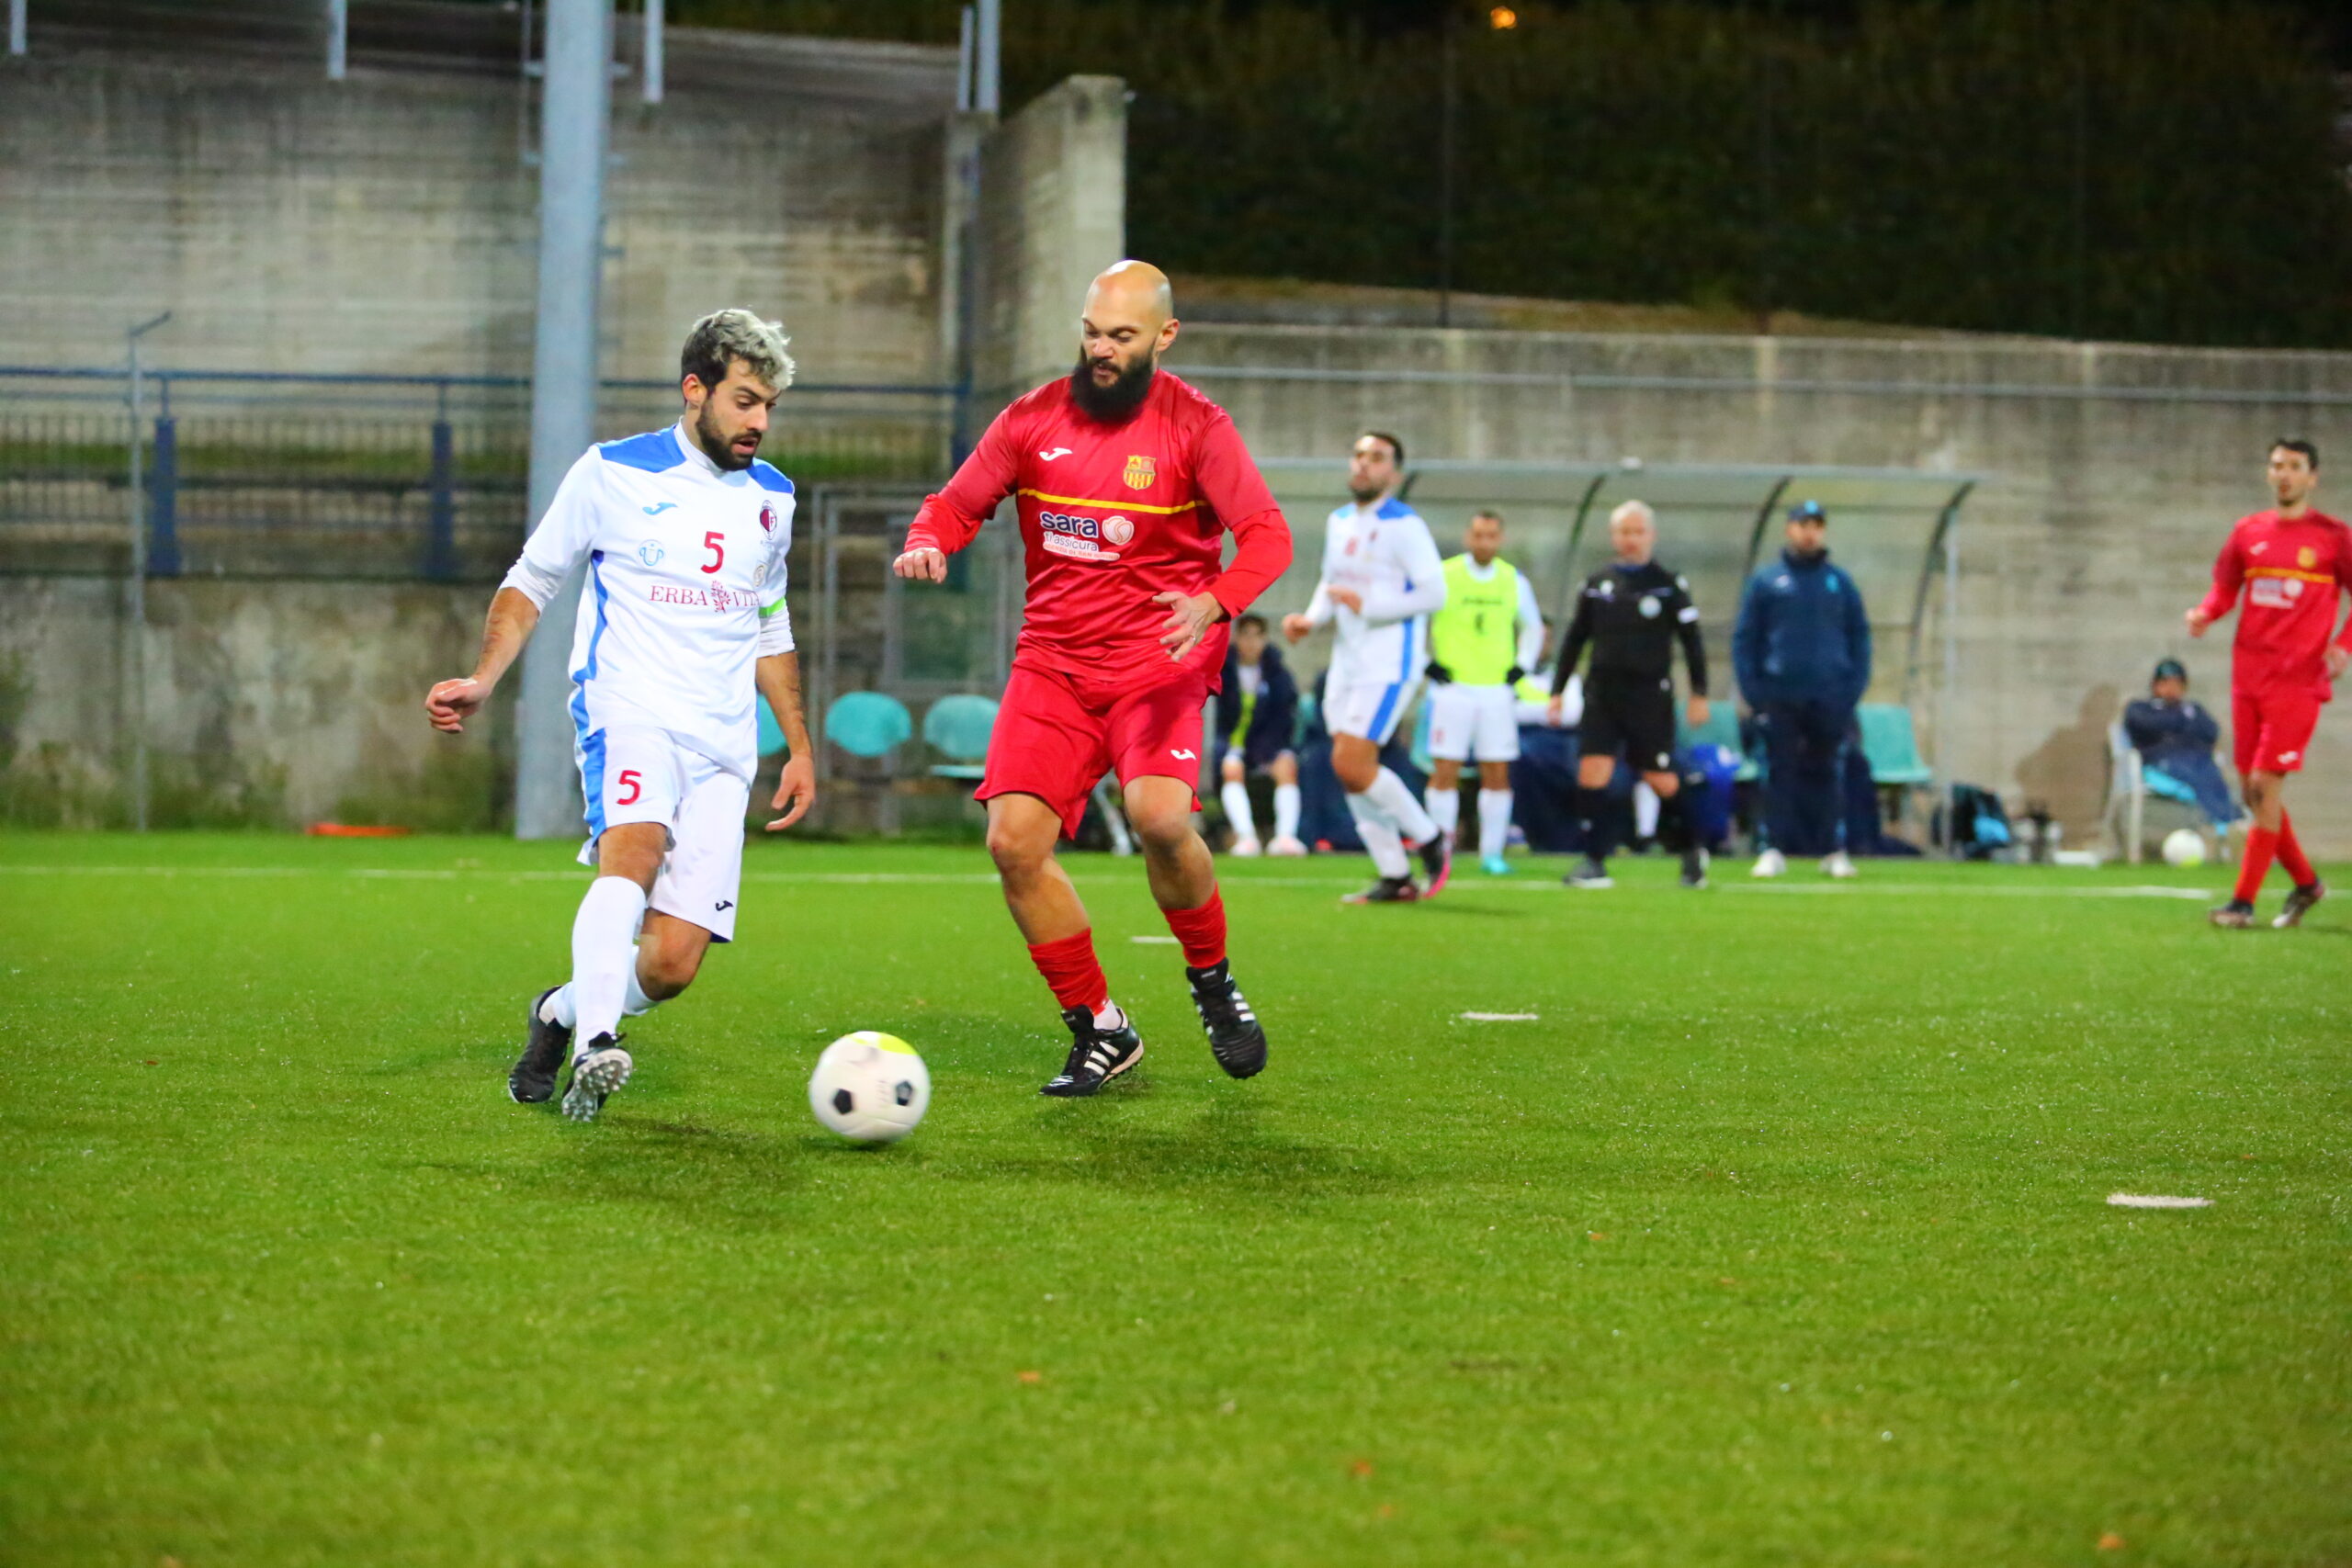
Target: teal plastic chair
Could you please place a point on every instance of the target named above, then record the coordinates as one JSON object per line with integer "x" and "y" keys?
{"x": 958, "y": 727}
{"x": 1892, "y": 747}
{"x": 868, "y": 724}
{"x": 1721, "y": 728}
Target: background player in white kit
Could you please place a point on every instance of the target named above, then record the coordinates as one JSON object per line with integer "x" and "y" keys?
{"x": 1381, "y": 579}
{"x": 683, "y": 626}
{"x": 1488, "y": 636}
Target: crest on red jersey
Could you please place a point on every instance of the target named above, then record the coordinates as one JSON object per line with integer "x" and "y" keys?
{"x": 767, "y": 518}
{"x": 1118, "y": 531}
{"x": 2307, "y": 557}
{"x": 1140, "y": 473}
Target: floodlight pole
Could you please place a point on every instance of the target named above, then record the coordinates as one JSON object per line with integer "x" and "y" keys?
{"x": 135, "y": 617}
{"x": 1449, "y": 109}
{"x": 338, "y": 37}
{"x": 572, "y": 132}
{"x": 651, "y": 66}
{"x": 16, "y": 27}
{"x": 988, "y": 43}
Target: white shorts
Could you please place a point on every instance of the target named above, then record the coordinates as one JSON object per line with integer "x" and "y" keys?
{"x": 1371, "y": 706}
{"x": 632, "y": 774}
{"x": 1474, "y": 721}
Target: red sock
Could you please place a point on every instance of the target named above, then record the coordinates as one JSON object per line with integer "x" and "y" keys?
{"x": 1071, "y": 968}
{"x": 2291, "y": 859}
{"x": 1201, "y": 932}
{"x": 2260, "y": 844}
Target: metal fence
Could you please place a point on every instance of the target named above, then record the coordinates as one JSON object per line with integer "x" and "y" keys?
{"x": 261, "y": 474}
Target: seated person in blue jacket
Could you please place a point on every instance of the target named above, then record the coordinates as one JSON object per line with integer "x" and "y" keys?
{"x": 1257, "y": 713}
{"x": 1802, "y": 649}
{"x": 2175, "y": 738}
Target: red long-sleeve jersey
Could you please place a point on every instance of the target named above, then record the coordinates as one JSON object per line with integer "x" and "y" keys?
{"x": 1112, "y": 515}
{"x": 2292, "y": 569}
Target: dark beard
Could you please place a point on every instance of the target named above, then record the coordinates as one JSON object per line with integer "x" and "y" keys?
{"x": 1364, "y": 497}
{"x": 1116, "y": 403}
{"x": 715, "y": 447}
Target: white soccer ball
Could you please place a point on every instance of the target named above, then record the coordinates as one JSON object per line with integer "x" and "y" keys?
{"x": 870, "y": 1088}
{"x": 2184, "y": 846}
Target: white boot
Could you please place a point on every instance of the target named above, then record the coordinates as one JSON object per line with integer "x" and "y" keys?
{"x": 1771, "y": 863}
{"x": 1837, "y": 863}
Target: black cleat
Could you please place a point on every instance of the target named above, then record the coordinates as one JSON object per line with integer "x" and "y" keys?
{"x": 2235, "y": 914}
{"x": 545, "y": 1045}
{"x": 2299, "y": 904}
{"x": 1235, "y": 1038}
{"x": 595, "y": 1073}
{"x": 1589, "y": 873}
{"x": 1387, "y": 890}
{"x": 1437, "y": 861}
{"x": 1694, "y": 868}
{"x": 1096, "y": 1055}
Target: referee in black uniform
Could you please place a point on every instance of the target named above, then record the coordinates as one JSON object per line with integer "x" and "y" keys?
{"x": 1631, "y": 612}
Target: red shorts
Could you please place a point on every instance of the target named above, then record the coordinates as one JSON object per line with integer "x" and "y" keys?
{"x": 1057, "y": 734}
{"x": 2271, "y": 730}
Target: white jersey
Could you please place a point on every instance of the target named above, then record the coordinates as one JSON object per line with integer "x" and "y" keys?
{"x": 684, "y": 589}
{"x": 1384, "y": 554}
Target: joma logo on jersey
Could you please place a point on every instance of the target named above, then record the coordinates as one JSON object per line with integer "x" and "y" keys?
{"x": 1140, "y": 473}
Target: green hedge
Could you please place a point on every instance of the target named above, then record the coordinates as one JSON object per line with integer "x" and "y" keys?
{"x": 2162, "y": 173}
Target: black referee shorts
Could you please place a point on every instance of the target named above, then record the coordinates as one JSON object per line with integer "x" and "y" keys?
{"x": 1629, "y": 715}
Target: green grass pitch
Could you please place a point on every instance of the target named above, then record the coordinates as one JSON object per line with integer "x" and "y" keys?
{"x": 1779, "y": 1236}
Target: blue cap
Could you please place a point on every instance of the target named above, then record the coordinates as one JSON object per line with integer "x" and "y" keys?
{"x": 1808, "y": 512}
{"x": 2170, "y": 669}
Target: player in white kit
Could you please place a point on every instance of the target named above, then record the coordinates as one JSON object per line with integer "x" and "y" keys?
{"x": 681, "y": 627}
{"x": 1381, "y": 580}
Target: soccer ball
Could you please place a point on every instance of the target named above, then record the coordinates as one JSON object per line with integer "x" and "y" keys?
{"x": 2184, "y": 846}
{"x": 870, "y": 1088}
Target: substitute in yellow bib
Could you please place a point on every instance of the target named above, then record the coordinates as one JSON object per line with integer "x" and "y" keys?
{"x": 1488, "y": 636}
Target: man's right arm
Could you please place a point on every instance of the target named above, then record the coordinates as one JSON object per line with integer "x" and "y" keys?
{"x": 2229, "y": 576}
{"x": 951, "y": 519}
{"x": 554, "y": 546}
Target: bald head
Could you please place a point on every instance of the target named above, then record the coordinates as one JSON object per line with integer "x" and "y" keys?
{"x": 1130, "y": 320}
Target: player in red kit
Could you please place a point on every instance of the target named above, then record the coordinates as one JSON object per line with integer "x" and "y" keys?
{"x": 1127, "y": 481}
{"x": 2293, "y": 562}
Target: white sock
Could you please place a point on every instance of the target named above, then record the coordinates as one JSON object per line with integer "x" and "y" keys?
{"x": 1285, "y": 811}
{"x": 557, "y": 1009}
{"x": 1235, "y": 797}
{"x": 634, "y": 1001}
{"x": 1493, "y": 822}
{"x": 1379, "y": 836}
{"x": 1645, "y": 805}
{"x": 1109, "y": 1017}
{"x": 1389, "y": 793}
{"x": 1444, "y": 806}
{"x": 604, "y": 952}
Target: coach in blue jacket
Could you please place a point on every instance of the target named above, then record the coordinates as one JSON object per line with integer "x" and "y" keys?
{"x": 1801, "y": 652}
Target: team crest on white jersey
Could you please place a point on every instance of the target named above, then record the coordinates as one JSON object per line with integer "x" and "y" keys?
{"x": 650, "y": 552}
{"x": 767, "y": 518}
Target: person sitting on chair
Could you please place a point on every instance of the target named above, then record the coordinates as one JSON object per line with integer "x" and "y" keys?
{"x": 2175, "y": 738}
{"x": 1257, "y": 710}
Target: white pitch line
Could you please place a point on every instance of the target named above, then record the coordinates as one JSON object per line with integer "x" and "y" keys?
{"x": 1154, "y": 940}
{"x": 1499, "y": 1017}
{"x": 2147, "y": 1201}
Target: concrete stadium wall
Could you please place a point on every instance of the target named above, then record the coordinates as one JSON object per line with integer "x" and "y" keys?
{"x": 387, "y": 223}
{"x": 2110, "y": 477}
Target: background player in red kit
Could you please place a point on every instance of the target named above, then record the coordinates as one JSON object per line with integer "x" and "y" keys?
{"x": 1127, "y": 480}
{"x": 2293, "y": 562}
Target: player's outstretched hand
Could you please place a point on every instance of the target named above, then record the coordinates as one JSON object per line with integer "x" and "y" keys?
{"x": 2197, "y": 621}
{"x": 1189, "y": 616}
{"x": 451, "y": 703}
{"x": 1297, "y": 626}
{"x": 1699, "y": 711}
{"x": 1551, "y": 709}
{"x": 796, "y": 789}
{"x": 924, "y": 564}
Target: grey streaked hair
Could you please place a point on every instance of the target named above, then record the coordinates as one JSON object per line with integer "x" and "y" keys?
{"x": 1640, "y": 509}
{"x": 724, "y": 337}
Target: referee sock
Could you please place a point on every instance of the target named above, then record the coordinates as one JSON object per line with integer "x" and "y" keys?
{"x": 1397, "y": 803}
{"x": 1234, "y": 798}
{"x": 1072, "y": 971}
{"x": 2291, "y": 859}
{"x": 1201, "y": 932}
{"x": 1444, "y": 808}
{"x": 2260, "y": 844}
{"x": 604, "y": 951}
{"x": 1493, "y": 822}
{"x": 1285, "y": 811}
{"x": 1673, "y": 827}
{"x": 1592, "y": 810}
{"x": 1379, "y": 836}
